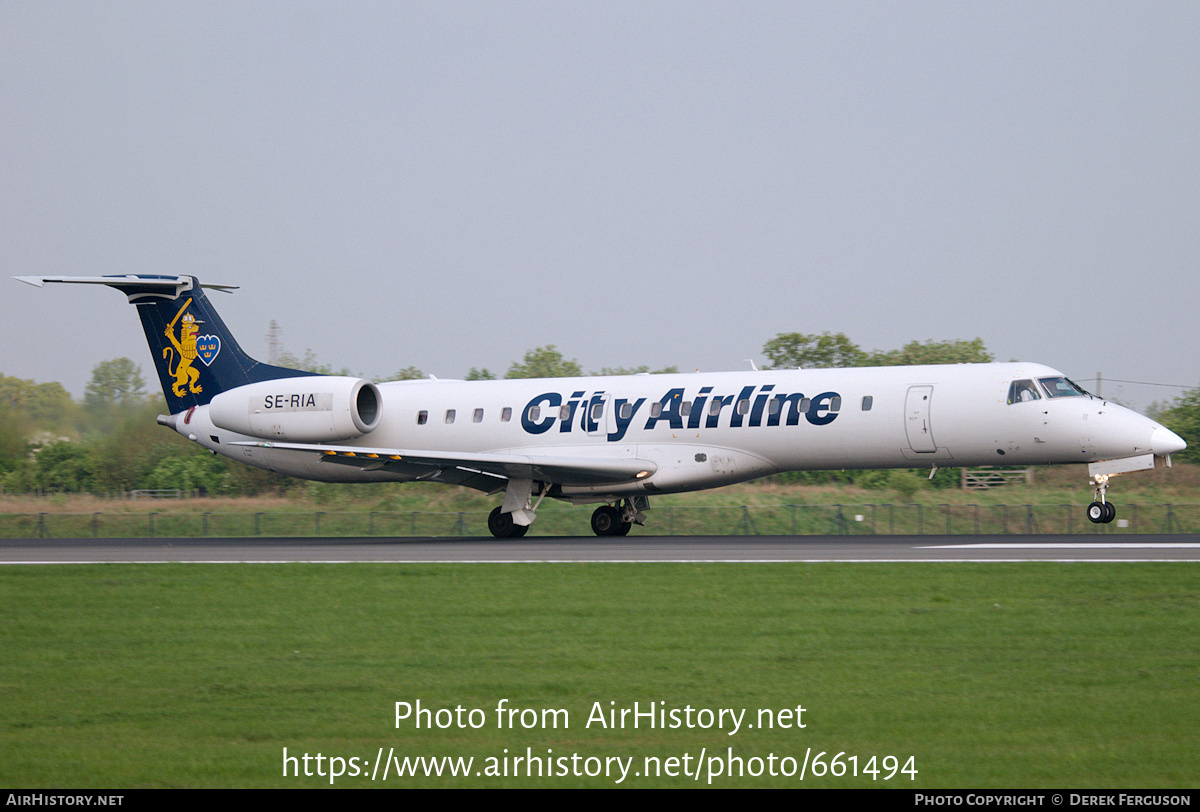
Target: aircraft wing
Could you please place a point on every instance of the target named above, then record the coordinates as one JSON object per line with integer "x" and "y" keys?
{"x": 483, "y": 471}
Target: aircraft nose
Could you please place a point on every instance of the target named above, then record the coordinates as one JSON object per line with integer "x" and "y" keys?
{"x": 1164, "y": 441}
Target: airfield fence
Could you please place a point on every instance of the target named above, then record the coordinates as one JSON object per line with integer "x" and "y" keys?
{"x": 802, "y": 520}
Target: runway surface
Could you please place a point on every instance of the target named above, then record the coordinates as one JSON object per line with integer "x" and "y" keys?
{"x": 1125, "y": 547}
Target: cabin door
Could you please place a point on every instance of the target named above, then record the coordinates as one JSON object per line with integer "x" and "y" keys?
{"x": 916, "y": 419}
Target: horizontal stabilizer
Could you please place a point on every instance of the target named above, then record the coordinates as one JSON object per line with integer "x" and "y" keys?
{"x": 165, "y": 283}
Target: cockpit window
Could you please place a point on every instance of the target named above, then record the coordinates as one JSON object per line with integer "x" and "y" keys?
{"x": 1022, "y": 392}
{"x": 1061, "y": 387}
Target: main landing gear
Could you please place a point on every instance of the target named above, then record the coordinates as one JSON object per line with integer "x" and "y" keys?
{"x": 502, "y": 525}
{"x": 607, "y": 520}
{"x": 616, "y": 520}
{"x": 1101, "y": 511}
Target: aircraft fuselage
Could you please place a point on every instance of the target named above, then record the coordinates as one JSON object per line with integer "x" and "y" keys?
{"x": 702, "y": 430}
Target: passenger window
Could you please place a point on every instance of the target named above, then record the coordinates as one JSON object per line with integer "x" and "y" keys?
{"x": 564, "y": 412}
{"x": 743, "y": 406}
{"x": 449, "y": 415}
{"x": 597, "y": 411}
{"x": 655, "y": 409}
{"x": 774, "y": 405}
{"x": 626, "y": 411}
{"x": 535, "y": 413}
{"x": 506, "y": 414}
{"x": 422, "y": 417}
{"x": 1022, "y": 392}
{"x": 867, "y": 402}
{"x": 685, "y": 408}
{"x": 477, "y": 417}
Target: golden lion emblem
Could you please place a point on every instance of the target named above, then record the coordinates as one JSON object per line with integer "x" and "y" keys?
{"x": 183, "y": 373}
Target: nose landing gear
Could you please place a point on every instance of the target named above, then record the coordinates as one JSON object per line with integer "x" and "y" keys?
{"x": 1101, "y": 511}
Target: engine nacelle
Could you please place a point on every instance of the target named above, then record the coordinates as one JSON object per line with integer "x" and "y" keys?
{"x": 309, "y": 409}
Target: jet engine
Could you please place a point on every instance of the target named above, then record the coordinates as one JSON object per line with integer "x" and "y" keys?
{"x": 309, "y": 409}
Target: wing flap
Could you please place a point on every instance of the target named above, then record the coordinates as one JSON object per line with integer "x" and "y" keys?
{"x": 476, "y": 469}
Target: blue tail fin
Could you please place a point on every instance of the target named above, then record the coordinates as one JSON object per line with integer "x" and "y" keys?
{"x": 196, "y": 356}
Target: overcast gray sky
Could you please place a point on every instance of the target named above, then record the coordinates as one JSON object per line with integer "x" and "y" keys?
{"x": 447, "y": 185}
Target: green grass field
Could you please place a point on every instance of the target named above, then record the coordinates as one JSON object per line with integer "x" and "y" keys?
{"x": 1021, "y": 675}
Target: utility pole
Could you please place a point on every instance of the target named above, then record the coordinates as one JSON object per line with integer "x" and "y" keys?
{"x": 273, "y": 342}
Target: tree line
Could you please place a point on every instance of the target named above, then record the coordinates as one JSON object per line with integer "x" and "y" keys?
{"x": 109, "y": 442}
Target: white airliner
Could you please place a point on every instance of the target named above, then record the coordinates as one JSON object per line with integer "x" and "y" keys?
{"x": 618, "y": 440}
